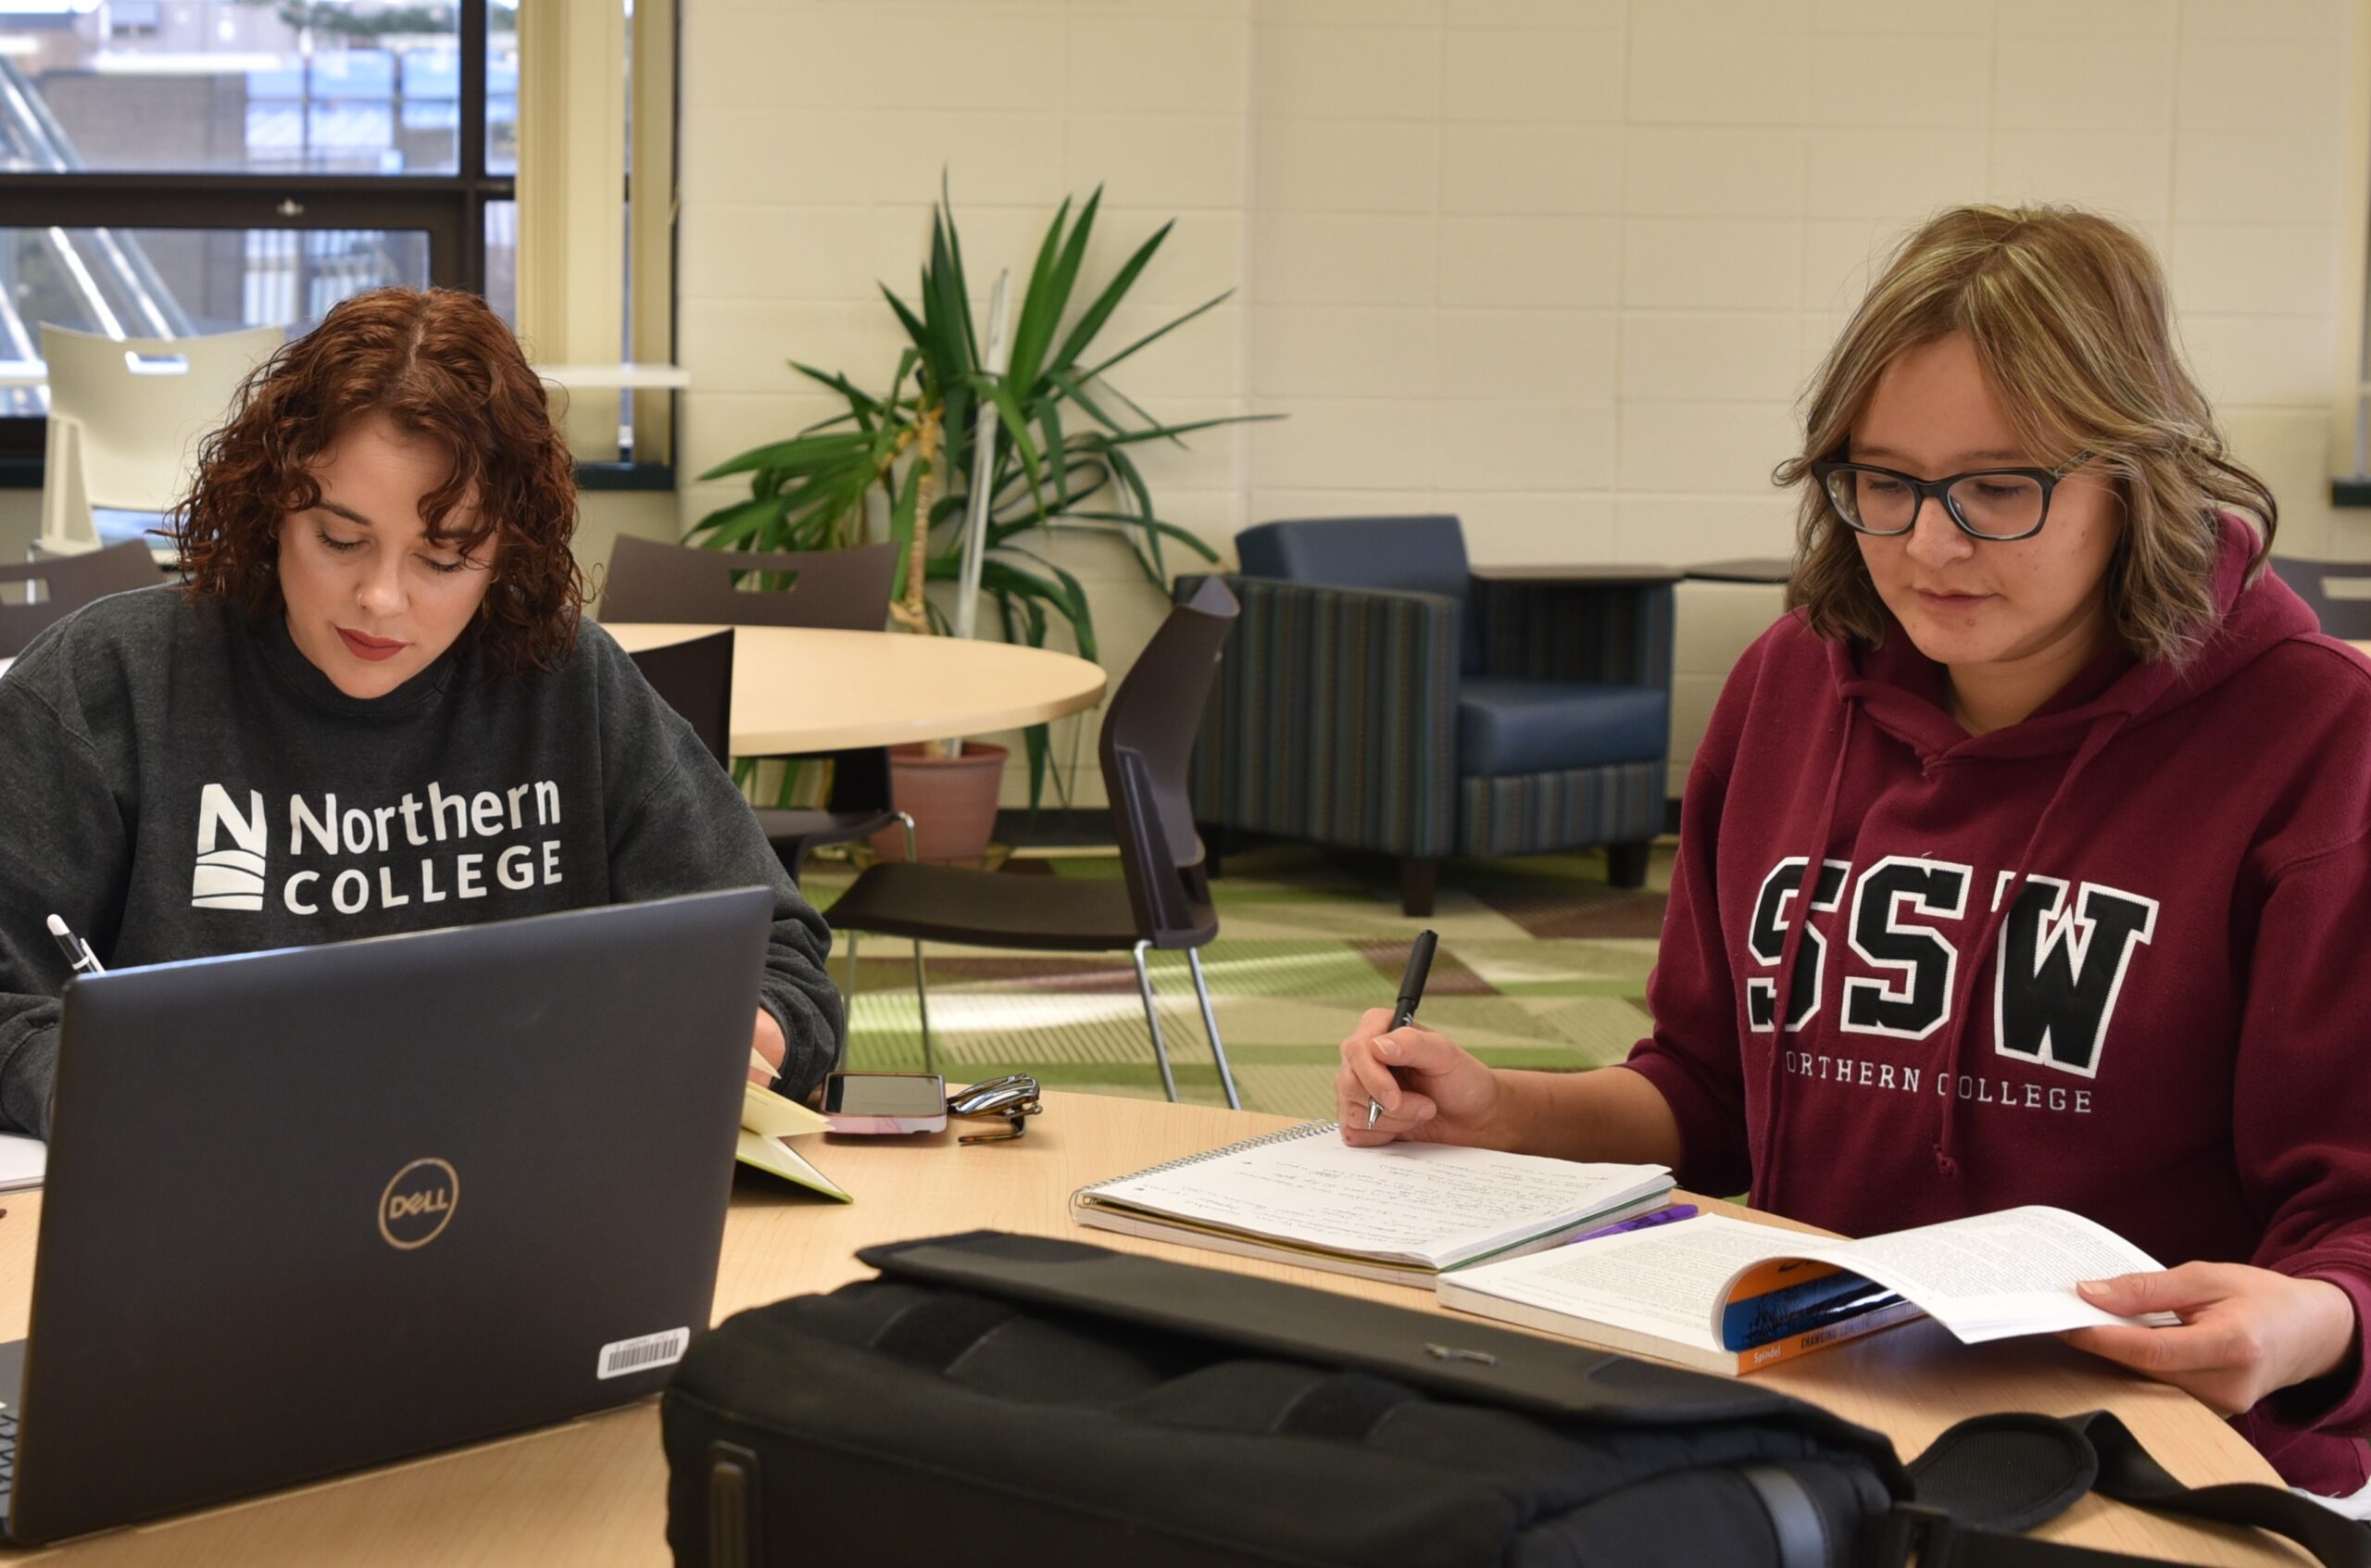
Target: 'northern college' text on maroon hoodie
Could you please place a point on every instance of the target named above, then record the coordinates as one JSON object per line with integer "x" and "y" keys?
{"x": 2167, "y": 1026}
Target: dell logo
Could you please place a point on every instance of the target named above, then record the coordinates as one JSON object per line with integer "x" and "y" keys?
{"x": 419, "y": 1203}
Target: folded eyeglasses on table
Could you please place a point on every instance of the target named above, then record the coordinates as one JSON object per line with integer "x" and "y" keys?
{"x": 1014, "y": 1097}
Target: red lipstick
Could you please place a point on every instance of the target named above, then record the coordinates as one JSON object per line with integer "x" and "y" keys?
{"x": 372, "y": 648}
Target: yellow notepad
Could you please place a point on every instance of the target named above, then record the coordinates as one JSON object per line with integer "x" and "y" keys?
{"x": 767, "y": 1120}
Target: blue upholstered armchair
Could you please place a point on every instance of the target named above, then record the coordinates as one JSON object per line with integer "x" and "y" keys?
{"x": 1378, "y": 695}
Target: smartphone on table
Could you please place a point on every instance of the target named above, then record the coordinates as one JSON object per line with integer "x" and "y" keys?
{"x": 885, "y": 1102}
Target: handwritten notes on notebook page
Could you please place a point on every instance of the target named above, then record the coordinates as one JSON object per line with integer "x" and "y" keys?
{"x": 1429, "y": 1206}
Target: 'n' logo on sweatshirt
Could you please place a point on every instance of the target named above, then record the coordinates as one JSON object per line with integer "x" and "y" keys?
{"x": 352, "y": 859}
{"x": 231, "y": 877}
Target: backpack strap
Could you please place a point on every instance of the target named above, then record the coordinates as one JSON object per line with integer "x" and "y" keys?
{"x": 1996, "y": 1474}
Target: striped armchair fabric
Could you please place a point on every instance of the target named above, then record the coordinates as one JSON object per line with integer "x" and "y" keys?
{"x": 1335, "y": 718}
{"x": 1614, "y": 632}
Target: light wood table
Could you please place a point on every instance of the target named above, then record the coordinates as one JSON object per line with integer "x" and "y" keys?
{"x": 796, "y": 690}
{"x": 592, "y": 1493}
{"x": 1772, "y": 570}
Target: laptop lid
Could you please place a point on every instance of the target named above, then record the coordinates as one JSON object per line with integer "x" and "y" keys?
{"x": 312, "y": 1210}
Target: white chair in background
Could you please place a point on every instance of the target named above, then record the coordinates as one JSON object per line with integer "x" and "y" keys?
{"x": 125, "y": 419}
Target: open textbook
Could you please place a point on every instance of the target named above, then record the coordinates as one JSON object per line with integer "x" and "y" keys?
{"x": 22, "y": 1159}
{"x": 767, "y": 1121}
{"x": 1401, "y": 1212}
{"x": 1730, "y": 1295}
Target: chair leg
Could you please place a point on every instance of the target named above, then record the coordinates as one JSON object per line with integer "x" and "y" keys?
{"x": 921, "y": 1005}
{"x": 921, "y": 986}
{"x": 847, "y": 1009}
{"x": 1419, "y": 878}
{"x": 1625, "y": 864}
{"x": 1211, "y": 1027}
{"x": 1152, "y": 1021}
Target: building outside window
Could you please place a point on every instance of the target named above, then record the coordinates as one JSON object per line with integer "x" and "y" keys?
{"x": 173, "y": 167}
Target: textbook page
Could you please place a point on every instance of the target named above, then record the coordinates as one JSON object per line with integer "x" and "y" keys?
{"x": 1987, "y": 1277}
{"x": 1667, "y": 1281}
{"x": 1432, "y": 1204}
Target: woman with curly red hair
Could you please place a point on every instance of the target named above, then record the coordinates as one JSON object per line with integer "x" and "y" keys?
{"x": 372, "y": 706}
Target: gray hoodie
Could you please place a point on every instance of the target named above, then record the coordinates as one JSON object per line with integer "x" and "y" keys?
{"x": 178, "y": 783}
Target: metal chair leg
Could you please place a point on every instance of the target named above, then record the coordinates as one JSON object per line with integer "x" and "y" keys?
{"x": 1211, "y": 1027}
{"x": 922, "y": 1004}
{"x": 847, "y": 1008}
{"x": 1152, "y": 1020}
{"x": 921, "y": 986}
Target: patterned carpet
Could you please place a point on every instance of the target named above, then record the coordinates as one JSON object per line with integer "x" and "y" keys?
{"x": 1541, "y": 964}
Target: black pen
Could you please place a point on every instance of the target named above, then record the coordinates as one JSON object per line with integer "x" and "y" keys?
{"x": 78, "y": 952}
{"x": 1412, "y": 991}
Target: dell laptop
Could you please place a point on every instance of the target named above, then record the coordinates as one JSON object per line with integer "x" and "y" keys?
{"x": 312, "y": 1210}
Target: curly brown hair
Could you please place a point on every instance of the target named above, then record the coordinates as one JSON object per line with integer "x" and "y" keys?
{"x": 2069, "y": 314}
{"x": 441, "y": 366}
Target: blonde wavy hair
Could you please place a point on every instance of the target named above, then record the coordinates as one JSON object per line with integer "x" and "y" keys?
{"x": 2067, "y": 313}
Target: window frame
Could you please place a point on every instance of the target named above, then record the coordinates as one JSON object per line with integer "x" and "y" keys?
{"x": 2350, "y": 427}
{"x": 449, "y": 209}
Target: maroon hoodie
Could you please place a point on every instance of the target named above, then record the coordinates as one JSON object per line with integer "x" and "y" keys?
{"x": 2115, "y": 958}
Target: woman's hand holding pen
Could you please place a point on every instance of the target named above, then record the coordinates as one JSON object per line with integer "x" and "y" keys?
{"x": 1430, "y": 1088}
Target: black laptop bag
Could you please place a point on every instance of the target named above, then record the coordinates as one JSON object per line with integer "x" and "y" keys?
{"x": 995, "y": 1401}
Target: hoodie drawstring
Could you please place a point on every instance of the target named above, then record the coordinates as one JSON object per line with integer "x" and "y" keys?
{"x": 1783, "y": 988}
{"x": 2094, "y": 742}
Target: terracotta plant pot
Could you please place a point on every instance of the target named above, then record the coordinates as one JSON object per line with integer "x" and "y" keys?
{"x": 952, "y": 800}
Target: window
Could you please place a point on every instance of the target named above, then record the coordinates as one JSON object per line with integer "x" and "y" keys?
{"x": 188, "y": 167}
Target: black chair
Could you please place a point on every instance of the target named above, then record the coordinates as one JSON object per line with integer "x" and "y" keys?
{"x": 58, "y": 585}
{"x": 695, "y": 680}
{"x": 829, "y": 590}
{"x": 833, "y": 590}
{"x": 1164, "y": 899}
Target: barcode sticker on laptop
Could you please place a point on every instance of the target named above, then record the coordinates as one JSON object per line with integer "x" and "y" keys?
{"x": 641, "y": 1355}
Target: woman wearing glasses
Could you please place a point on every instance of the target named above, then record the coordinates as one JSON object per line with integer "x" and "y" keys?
{"x": 372, "y": 706}
{"x": 2027, "y": 859}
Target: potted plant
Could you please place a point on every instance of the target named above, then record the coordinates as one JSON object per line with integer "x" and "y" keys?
{"x": 1057, "y": 457}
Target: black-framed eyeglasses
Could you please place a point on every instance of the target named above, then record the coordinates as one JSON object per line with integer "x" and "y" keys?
{"x": 1999, "y": 505}
{"x": 1014, "y": 1098}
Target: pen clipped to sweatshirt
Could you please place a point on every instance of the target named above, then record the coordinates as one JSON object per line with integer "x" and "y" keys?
{"x": 1412, "y": 991}
{"x": 78, "y": 952}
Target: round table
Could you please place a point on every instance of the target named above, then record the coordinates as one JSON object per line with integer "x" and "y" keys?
{"x": 796, "y": 689}
{"x": 591, "y": 1493}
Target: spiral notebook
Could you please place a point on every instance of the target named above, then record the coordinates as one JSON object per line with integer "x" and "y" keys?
{"x": 1405, "y": 1213}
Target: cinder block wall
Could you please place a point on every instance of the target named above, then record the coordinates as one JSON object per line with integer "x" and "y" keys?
{"x": 1561, "y": 267}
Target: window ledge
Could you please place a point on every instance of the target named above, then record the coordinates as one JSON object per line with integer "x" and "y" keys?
{"x": 625, "y": 476}
{"x": 24, "y": 473}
